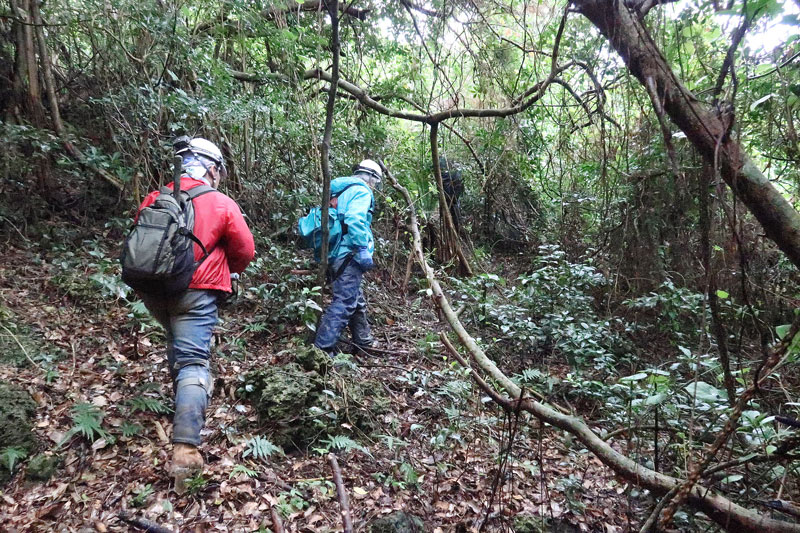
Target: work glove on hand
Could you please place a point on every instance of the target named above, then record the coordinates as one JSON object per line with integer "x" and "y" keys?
{"x": 364, "y": 259}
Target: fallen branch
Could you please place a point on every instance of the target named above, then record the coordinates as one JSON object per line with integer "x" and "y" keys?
{"x": 452, "y": 351}
{"x": 789, "y": 508}
{"x": 653, "y": 518}
{"x": 341, "y": 494}
{"x": 723, "y": 511}
{"x": 142, "y": 523}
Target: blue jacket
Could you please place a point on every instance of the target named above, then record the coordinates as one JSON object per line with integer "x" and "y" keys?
{"x": 355, "y": 212}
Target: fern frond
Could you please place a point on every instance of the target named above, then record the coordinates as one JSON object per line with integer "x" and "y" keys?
{"x": 145, "y": 404}
{"x": 241, "y": 469}
{"x": 10, "y": 456}
{"x": 87, "y": 421}
{"x": 344, "y": 443}
{"x": 261, "y": 448}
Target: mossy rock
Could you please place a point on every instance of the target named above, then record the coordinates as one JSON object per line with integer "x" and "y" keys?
{"x": 312, "y": 358}
{"x": 282, "y": 397}
{"x": 300, "y": 403}
{"x": 397, "y": 522}
{"x": 42, "y": 467}
{"x": 16, "y": 411}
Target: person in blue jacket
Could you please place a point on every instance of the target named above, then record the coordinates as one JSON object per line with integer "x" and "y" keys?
{"x": 347, "y": 262}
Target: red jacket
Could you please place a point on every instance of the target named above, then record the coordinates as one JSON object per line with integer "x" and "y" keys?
{"x": 220, "y": 226}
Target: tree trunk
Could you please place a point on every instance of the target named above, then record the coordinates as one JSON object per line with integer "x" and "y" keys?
{"x": 26, "y": 83}
{"x": 333, "y": 11}
{"x": 450, "y": 244}
{"x": 705, "y": 129}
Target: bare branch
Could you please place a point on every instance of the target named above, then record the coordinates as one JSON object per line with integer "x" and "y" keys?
{"x": 333, "y": 11}
{"x": 762, "y": 374}
{"x": 259, "y": 78}
{"x": 536, "y": 93}
{"x": 643, "y": 7}
{"x": 313, "y": 5}
{"x": 423, "y": 10}
{"x": 777, "y": 67}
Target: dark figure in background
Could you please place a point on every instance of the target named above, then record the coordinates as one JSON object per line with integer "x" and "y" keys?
{"x": 453, "y": 188}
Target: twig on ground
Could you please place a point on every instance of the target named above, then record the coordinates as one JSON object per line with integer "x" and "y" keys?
{"x": 277, "y": 523}
{"x": 74, "y": 361}
{"x": 341, "y": 494}
{"x": 368, "y": 350}
{"x": 651, "y": 520}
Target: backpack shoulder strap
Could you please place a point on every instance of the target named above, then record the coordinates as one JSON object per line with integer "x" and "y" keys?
{"x": 371, "y": 199}
{"x": 338, "y": 194}
{"x": 200, "y": 190}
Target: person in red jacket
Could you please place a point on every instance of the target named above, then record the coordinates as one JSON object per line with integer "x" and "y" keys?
{"x": 189, "y": 317}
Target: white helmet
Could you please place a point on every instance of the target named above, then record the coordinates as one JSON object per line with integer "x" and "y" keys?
{"x": 371, "y": 168}
{"x": 205, "y": 148}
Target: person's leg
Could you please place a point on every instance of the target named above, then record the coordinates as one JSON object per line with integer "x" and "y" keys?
{"x": 359, "y": 325}
{"x": 160, "y": 310}
{"x": 188, "y": 320}
{"x": 346, "y": 291}
{"x": 194, "y": 316}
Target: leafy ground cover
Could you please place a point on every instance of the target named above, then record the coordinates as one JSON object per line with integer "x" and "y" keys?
{"x": 436, "y": 449}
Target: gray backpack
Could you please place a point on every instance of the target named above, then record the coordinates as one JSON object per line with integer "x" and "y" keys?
{"x": 158, "y": 253}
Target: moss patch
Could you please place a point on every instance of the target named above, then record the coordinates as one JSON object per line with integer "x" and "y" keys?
{"x": 15, "y": 339}
{"x": 397, "y": 522}
{"x": 42, "y": 467}
{"x": 16, "y": 411}
{"x": 303, "y": 401}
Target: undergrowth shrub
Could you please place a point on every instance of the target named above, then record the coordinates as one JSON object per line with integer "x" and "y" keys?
{"x": 549, "y": 311}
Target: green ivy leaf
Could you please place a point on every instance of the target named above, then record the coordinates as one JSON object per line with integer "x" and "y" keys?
{"x": 656, "y": 399}
{"x": 706, "y": 392}
{"x": 722, "y": 295}
{"x": 636, "y": 377}
{"x": 760, "y": 101}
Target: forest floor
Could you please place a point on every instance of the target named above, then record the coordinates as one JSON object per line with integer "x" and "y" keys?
{"x": 439, "y": 451}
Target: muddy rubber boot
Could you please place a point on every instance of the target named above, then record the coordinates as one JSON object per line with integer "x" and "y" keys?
{"x": 186, "y": 463}
{"x": 360, "y": 331}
